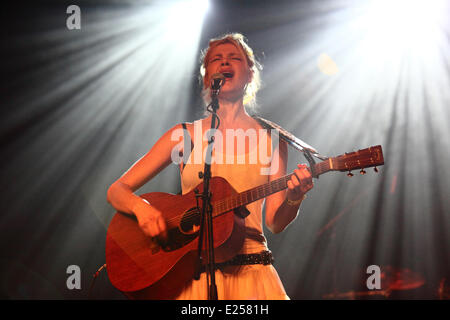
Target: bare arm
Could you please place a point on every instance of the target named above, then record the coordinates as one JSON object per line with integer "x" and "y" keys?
{"x": 279, "y": 213}
{"x": 121, "y": 193}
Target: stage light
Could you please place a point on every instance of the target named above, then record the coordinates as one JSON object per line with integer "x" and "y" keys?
{"x": 400, "y": 26}
{"x": 186, "y": 16}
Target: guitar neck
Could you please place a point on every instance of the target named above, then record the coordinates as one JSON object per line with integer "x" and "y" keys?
{"x": 262, "y": 191}
{"x": 365, "y": 158}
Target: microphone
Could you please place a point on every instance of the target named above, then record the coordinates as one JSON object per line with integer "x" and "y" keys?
{"x": 217, "y": 81}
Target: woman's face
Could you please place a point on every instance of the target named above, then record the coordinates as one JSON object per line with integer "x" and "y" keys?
{"x": 232, "y": 63}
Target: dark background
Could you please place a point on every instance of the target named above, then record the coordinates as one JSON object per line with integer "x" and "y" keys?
{"x": 72, "y": 121}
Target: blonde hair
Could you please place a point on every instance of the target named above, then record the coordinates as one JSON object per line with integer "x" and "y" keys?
{"x": 255, "y": 67}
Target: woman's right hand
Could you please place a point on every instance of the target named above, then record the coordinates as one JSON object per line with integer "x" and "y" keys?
{"x": 150, "y": 220}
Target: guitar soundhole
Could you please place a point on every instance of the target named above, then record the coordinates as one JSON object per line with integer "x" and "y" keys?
{"x": 190, "y": 222}
{"x": 186, "y": 232}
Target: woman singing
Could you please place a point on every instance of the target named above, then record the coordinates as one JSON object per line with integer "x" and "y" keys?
{"x": 250, "y": 275}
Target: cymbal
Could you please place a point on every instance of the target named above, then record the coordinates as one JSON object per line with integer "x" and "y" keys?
{"x": 391, "y": 278}
{"x": 356, "y": 294}
{"x": 400, "y": 279}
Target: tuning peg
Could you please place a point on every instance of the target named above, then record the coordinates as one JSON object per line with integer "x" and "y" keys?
{"x": 350, "y": 174}
{"x": 363, "y": 172}
{"x": 375, "y": 169}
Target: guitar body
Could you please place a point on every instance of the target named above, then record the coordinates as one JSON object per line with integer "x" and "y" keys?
{"x": 144, "y": 269}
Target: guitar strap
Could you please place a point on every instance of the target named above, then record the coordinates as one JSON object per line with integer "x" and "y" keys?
{"x": 186, "y": 148}
{"x": 290, "y": 138}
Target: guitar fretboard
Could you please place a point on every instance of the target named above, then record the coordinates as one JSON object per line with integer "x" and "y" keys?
{"x": 260, "y": 192}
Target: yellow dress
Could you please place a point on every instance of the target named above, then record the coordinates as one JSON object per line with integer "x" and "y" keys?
{"x": 247, "y": 282}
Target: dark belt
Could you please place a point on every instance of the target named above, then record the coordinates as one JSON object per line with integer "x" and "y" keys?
{"x": 264, "y": 257}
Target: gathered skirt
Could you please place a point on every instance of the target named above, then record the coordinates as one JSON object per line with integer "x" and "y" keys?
{"x": 246, "y": 282}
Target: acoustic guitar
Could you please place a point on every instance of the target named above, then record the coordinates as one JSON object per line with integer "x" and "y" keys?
{"x": 143, "y": 268}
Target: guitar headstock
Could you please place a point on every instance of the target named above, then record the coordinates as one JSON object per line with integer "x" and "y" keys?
{"x": 365, "y": 158}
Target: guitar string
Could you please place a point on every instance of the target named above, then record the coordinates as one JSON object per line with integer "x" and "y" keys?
{"x": 236, "y": 201}
{"x": 230, "y": 201}
{"x": 266, "y": 188}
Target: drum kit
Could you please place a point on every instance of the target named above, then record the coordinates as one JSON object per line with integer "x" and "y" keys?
{"x": 394, "y": 280}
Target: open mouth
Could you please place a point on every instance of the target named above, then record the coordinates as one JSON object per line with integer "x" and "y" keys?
{"x": 228, "y": 75}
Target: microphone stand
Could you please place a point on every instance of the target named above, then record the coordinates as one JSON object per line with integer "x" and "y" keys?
{"x": 206, "y": 215}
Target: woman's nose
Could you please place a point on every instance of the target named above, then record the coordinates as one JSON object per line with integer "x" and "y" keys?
{"x": 225, "y": 62}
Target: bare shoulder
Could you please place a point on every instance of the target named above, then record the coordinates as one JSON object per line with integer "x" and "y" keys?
{"x": 177, "y": 132}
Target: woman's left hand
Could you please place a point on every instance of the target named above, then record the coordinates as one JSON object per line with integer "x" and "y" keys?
{"x": 300, "y": 183}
